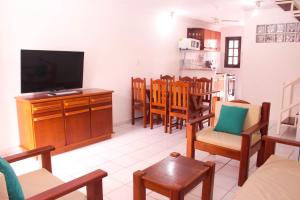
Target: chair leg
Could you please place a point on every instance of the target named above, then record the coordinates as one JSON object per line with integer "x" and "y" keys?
{"x": 151, "y": 120}
{"x": 190, "y": 149}
{"x": 145, "y": 118}
{"x": 132, "y": 116}
{"x": 260, "y": 155}
{"x": 243, "y": 172}
{"x": 170, "y": 123}
{"x": 166, "y": 123}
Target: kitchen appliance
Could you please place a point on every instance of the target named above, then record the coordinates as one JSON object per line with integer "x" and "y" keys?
{"x": 226, "y": 84}
{"x": 189, "y": 44}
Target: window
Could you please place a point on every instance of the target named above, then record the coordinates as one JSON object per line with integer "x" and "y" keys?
{"x": 232, "y": 52}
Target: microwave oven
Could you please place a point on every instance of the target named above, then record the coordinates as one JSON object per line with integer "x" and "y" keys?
{"x": 189, "y": 44}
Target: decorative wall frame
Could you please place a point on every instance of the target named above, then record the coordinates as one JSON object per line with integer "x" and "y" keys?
{"x": 283, "y": 32}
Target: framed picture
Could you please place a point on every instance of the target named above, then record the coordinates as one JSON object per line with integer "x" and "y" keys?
{"x": 291, "y": 27}
{"x": 297, "y": 37}
{"x": 271, "y": 28}
{"x": 260, "y": 29}
{"x": 260, "y": 38}
{"x": 290, "y": 37}
{"x": 281, "y": 28}
{"x": 270, "y": 38}
{"x": 280, "y": 37}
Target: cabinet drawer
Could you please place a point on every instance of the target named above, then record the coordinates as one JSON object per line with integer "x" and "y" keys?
{"x": 104, "y": 98}
{"x": 46, "y": 107}
{"x": 78, "y": 102}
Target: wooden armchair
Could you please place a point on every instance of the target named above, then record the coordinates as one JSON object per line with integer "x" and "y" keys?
{"x": 42, "y": 185}
{"x": 232, "y": 146}
{"x": 278, "y": 178}
{"x": 158, "y": 101}
{"x": 139, "y": 100}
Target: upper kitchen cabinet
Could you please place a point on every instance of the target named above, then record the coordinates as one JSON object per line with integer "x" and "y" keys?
{"x": 210, "y": 40}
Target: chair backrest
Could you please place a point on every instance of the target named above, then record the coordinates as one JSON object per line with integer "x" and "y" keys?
{"x": 179, "y": 96}
{"x": 255, "y": 114}
{"x": 138, "y": 89}
{"x": 201, "y": 85}
{"x": 186, "y": 79}
{"x": 158, "y": 93}
{"x": 167, "y": 78}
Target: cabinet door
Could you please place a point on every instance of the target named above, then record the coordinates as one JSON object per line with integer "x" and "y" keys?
{"x": 101, "y": 120}
{"x": 49, "y": 130}
{"x": 77, "y": 124}
{"x": 218, "y": 38}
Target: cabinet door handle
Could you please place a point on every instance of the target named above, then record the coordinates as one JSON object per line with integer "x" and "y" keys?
{"x": 84, "y": 102}
{"x": 47, "y": 117}
{"x": 101, "y": 108}
{"x": 76, "y": 112}
{"x": 46, "y": 107}
{"x": 103, "y": 99}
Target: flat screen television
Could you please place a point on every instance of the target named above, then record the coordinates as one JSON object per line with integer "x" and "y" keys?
{"x": 43, "y": 70}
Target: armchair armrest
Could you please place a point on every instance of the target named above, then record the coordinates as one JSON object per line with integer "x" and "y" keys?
{"x": 270, "y": 143}
{"x": 43, "y": 151}
{"x": 254, "y": 128}
{"x": 281, "y": 141}
{"x": 200, "y": 119}
{"x": 92, "y": 180}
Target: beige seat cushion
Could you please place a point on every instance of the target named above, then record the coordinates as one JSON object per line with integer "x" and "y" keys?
{"x": 41, "y": 180}
{"x": 277, "y": 179}
{"x": 226, "y": 140}
{"x": 253, "y": 114}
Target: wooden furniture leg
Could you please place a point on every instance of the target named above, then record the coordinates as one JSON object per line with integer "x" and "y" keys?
{"x": 190, "y": 134}
{"x": 94, "y": 190}
{"x": 177, "y": 195}
{"x": 208, "y": 182}
{"x": 244, "y": 159}
{"x": 151, "y": 120}
{"x": 139, "y": 190}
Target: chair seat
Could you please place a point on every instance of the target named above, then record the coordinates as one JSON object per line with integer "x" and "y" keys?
{"x": 222, "y": 139}
{"x": 39, "y": 181}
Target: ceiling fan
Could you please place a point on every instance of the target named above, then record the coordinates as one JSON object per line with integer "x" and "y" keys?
{"x": 217, "y": 20}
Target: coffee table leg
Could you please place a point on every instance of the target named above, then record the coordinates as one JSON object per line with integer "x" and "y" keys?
{"x": 139, "y": 190}
{"x": 176, "y": 195}
{"x": 208, "y": 182}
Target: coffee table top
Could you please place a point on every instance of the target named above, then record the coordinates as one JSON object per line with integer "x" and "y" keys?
{"x": 176, "y": 171}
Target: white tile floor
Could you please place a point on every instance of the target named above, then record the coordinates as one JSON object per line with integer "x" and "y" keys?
{"x": 133, "y": 148}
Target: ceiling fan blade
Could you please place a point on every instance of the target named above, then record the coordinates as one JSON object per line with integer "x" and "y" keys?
{"x": 230, "y": 20}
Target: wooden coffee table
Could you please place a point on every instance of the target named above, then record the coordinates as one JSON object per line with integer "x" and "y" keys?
{"x": 173, "y": 177}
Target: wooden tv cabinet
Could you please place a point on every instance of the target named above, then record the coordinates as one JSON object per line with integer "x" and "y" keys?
{"x": 65, "y": 121}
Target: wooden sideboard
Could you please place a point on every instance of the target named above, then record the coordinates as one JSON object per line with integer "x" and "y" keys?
{"x": 65, "y": 121}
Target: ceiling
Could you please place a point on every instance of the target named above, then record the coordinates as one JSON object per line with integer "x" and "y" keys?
{"x": 218, "y": 10}
{"x": 205, "y": 10}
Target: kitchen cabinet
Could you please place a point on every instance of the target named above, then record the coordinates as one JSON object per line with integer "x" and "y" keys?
{"x": 210, "y": 40}
{"x": 67, "y": 121}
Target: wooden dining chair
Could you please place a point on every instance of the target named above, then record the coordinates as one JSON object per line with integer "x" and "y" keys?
{"x": 158, "y": 101}
{"x": 167, "y": 78}
{"x": 139, "y": 100}
{"x": 187, "y": 79}
{"x": 179, "y": 103}
{"x": 201, "y": 85}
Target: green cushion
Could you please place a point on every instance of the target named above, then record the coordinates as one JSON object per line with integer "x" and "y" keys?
{"x": 231, "y": 119}
{"x": 14, "y": 189}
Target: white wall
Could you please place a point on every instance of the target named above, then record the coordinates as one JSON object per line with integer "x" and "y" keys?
{"x": 119, "y": 40}
{"x": 265, "y": 66}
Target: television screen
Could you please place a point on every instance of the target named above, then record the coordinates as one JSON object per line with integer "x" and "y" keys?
{"x": 50, "y": 70}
